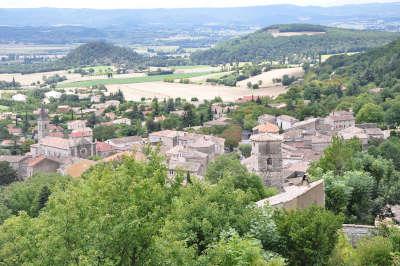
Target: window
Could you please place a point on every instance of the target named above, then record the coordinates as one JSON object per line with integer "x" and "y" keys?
{"x": 269, "y": 161}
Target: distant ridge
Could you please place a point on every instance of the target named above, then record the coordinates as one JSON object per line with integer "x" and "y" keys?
{"x": 305, "y": 43}
{"x": 255, "y": 15}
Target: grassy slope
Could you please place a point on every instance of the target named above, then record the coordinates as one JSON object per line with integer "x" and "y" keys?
{"x": 89, "y": 83}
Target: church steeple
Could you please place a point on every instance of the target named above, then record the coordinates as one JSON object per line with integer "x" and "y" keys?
{"x": 42, "y": 123}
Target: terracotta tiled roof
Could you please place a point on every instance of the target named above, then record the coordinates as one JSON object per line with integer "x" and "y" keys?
{"x": 57, "y": 134}
{"x": 35, "y": 161}
{"x": 103, "y": 147}
{"x": 55, "y": 142}
{"x": 78, "y": 168}
{"x": 80, "y": 134}
{"x": 138, "y": 156}
{"x": 267, "y": 128}
{"x": 266, "y": 137}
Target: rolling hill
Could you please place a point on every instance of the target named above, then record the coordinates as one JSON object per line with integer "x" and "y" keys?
{"x": 101, "y": 53}
{"x": 295, "y": 42}
{"x": 90, "y": 54}
{"x": 379, "y": 65}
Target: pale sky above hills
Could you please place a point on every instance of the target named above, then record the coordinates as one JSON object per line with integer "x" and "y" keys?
{"x": 106, "y": 4}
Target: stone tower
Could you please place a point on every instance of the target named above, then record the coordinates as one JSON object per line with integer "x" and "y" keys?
{"x": 267, "y": 153}
{"x": 42, "y": 124}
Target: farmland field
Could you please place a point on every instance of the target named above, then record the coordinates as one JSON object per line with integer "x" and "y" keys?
{"x": 136, "y": 91}
{"x": 325, "y": 57}
{"x": 142, "y": 79}
{"x": 267, "y": 77}
{"x": 99, "y": 70}
{"x": 3, "y": 108}
{"x": 28, "y": 79}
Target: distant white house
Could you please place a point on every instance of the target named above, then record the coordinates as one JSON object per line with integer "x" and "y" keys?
{"x": 53, "y": 94}
{"x": 19, "y": 98}
{"x": 122, "y": 121}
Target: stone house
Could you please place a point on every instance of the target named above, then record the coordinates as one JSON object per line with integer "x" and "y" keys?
{"x": 320, "y": 142}
{"x": 266, "y": 118}
{"x": 42, "y": 164}
{"x": 122, "y": 121}
{"x": 18, "y": 162}
{"x": 354, "y": 132}
{"x": 126, "y": 143}
{"x": 104, "y": 149}
{"x": 76, "y": 124}
{"x": 285, "y": 122}
{"x": 298, "y": 197}
{"x": 340, "y": 120}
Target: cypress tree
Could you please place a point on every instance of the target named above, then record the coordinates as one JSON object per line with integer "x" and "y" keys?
{"x": 43, "y": 197}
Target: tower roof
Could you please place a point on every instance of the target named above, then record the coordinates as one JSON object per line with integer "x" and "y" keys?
{"x": 43, "y": 115}
{"x": 266, "y": 137}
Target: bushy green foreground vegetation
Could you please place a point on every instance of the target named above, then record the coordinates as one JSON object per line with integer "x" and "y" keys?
{"x": 130, "y": 213}
{"x": 261, "y": 45}
{"x": 359, "y": 184}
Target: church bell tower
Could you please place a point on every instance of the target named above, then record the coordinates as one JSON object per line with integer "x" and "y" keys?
{"x": 42, "y": 123}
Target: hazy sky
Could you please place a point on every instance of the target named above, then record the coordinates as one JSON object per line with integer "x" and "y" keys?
{"x": 171, "y": 3}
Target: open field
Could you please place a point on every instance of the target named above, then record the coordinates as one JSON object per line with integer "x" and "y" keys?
{"x": 162, "y": 90}
{"x": 142, "y": 79}
{"x": 100, "y": 70}
{"x": 189, "y": 69}
{"x": 6, "y": 49}
{"x": 267, "y": 77}
{"x": 203, "y": 79}
{"x": 3, "y": 108}
{"x": 325, "y": 57}
{"x": 28, "y": 79}
{"x": 277, "y": 33}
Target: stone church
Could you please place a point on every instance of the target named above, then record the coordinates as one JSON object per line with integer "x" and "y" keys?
{"x": 57, "y": 147}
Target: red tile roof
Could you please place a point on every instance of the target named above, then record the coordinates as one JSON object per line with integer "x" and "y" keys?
{"x": 80, "y": 134}
{"x": 103, "y": 147}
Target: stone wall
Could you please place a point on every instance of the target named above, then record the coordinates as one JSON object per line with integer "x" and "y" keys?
{"x": 355, "y": 232}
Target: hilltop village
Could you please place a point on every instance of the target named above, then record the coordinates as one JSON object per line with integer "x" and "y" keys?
{"x": 277, "y": 148}
{"x": 69, "y": 140}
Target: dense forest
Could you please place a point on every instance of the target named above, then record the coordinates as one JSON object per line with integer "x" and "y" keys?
{"x": 380, "y": 66}
{"x": 262, "y": 45}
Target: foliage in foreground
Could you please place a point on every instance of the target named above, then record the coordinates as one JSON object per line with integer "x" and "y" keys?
{"x": 128, "y": 214}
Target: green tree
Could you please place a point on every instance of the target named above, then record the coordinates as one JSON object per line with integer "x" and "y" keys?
{"x": 308, "y": 237}
{"x": 189, "y": 117}
{"x": 24, "y": 196}
{"x": 245, "y": 149}
{"x": 103, "y": 133}
{"x": 234, "y": 250}
{"x": 227, "y": 168}
{"x": 376, "y": 251}
{"x": 7, "y": 174}
{"x": 338, "y": 157}
{"x": 232, "y": 136}
{"x": 92, "y": 120}
{"x": 392, "y": 115}
{"x": 43, "y": 197}
{"x": 370, "y": 113}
